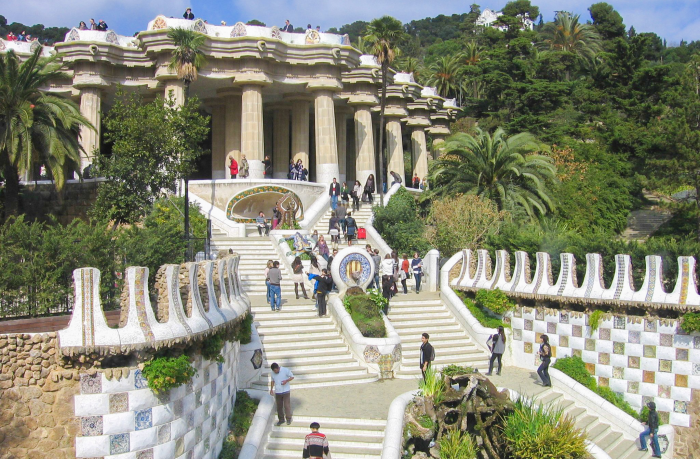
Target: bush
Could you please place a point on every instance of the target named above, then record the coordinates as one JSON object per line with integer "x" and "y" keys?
{"x": 211, "y": 348}
{"x": 239, "y": 423}
{"x": 453, "y": 370}
{"x": 484, "y": 319}
{"x": 494, "y": 300}
{"x": 457, "y": 445}
{"x": 399, "y": 225}
{"x": 594, "y": 320}
{"x": 691, "y": 322}
{"x": 165, "y": 373}
{"x": 245, "y": 331}
{"x": 366, "y": 315}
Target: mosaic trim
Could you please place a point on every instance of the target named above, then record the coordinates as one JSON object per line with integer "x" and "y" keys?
{"x": 276, "y": 33}
{"x": 239, "y": 30}
{"x": 685, "y": 280}
{"x": 200, "y": 26}
{"x": 258, "y": 190}
{"x": 175, "y": 295}
{"x": 371, "y": 354}
{"x": 540, "y": 271}
{"x": 364, "y": 265}
{"x": 563, "y": 275}
{"x": 88, "y": 313}
{"x": 620, "y": 266}
{"x": 140, "y": 282}
{"x": 652, "y": 277}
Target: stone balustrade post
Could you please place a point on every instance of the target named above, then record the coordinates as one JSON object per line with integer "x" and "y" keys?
{"x": 300, "y": 131}
{"x": 420, "y": 151}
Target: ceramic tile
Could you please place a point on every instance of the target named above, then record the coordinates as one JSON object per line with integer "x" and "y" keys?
{"x": 119, "y": 443}
{"x": 682, "y": 354}
{"x": 213, "y": 387}
{"x": 664, "y": 416}
{"x": 206, "y": 445}
{"x": 190, "y": 421}
{"x": 696, "y": 342}
{"x": 696, "y": 369}
{"x": 681, "y": 381}
{"x": 190, "y": 454}
{"x": 143, "y": 419}
{"x": 91, "y": 384}
{"x": 145, "y": 454}
{"x": 527, "y": 324}
{"x": 646, "y": 399}
{"x": 563, "y": 317}
{"x": 517, "y": 334}
{"x": 163, "y": 434}
{"x": 633, "y": 362}
{"x": 118, "y": 403}
{"x": 577, "y": 331}
{"x": 140, "y": 381}
{"x": 666, "y": 339}
{"x": 179, "y": 446}
{"x": 619, "y": 322}
{"x": 649, "y": 351}
{"x": 577, "y": 353}
{"x": 518, "y": 312}
{"x": 603, "y": 382}
{"x": 590, "y": 344}
{"x": 633, "y": 387}
{"x": 604, "y": 333}
{"x": 618, "y": 373}
{"x": 198, "y": 434}
{"x": 665, "y": 366}
{"x": 590, "y": 367}
{"x": 539, "y": 314}
{"x": 564, "y": 341}
{"x": 91, "y": 426}
{"x": 604, "y": 358}
{"x": 618, "y": 348}
{"x": 177, "y": 408}
{"x": 220, "y": 366}
{"x": 528, "y": 348}
{"x": 650, "y": 325}
{"x": 665, "y": 391}
{"x": 198, "y": 398}
{"x": 648, "y": 376}
{"x": 680, "y": 407}
{"x": 634, "y": 337}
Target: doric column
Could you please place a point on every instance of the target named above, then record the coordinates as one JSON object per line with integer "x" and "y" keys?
{"x": 232, "y": 143}
{"x": 219, "y": 164}
{"x": 326, "y": 141}
{"x": 280, "y": 144}
{"x": 178, "y": 91}
{"x": 364, "y": 144}
{"x": 341, "y": 133}
{"x": 394, "y": 144}
{"x": 300, "y": 131}
{"x": 252, "y": 129}
{"x": 90, "y": 108}
{"x": 420, "y": 151}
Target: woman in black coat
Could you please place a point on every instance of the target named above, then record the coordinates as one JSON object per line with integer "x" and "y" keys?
{"x": 370, "y": 188}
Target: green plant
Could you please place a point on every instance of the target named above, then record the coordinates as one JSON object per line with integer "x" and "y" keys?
{"x": 457, "y": 445}
{"x": 286, "y": 226}
{"x": 303, "y": 255}
{"x": 366, "y": 315}
{"x": 643, "y": 415}
{"x": 453, "y": 370}
{"x": 691, "y": 322}
{"x": 479, "y": 314}
{"x": 432, "y": 385}
{"x": 594, "y": 321}
{"x": 399, "y": 225}
{"x": 378, "y": 299}
{"x": 164, "y": 373}
{"x": 245, "y": 330}
{"x": 239, "y": 423}
{"x": 494, "y": 300}
{"x": 211, "y": 348}
{"x": 426, "y": 422}
{"x": 537, "y": 432}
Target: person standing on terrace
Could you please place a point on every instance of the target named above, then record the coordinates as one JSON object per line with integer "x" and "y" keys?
{"x": 188, "y": 14}
{"x": 288, "y": 27}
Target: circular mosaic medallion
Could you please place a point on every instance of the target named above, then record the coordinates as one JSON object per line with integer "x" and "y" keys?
{"x": 354, "y": 268}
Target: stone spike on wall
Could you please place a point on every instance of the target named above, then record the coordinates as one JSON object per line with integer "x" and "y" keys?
{"x": 686, "y": 290}
{"x": 483, "y": 270}
{"x": 465, "y": 276}
{"x": 501, "y": 274}
{"x": 141, "y": 325}
{"x": 234, "y": 273}
{"x": 521, "y": 274}
{"x": 177, "y": 320}
{"x": 652, "y": 290}
{"x": 194, "y": 294}
{"x": 215, "y": 314}
{"x": 566, "y": 282}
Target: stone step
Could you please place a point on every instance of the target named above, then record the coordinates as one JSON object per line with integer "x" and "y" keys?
{"x": 396, "y": 317}
{"x": 321, "y": 369}
{"x": 416, "y": 303}
{"x": 295, "y": 337}
{"x": 413, "y": 342}
{"x": 340, "y": 357}
{"x": 466, "y": 347}
{"x": 448, "y": 323}
{"x": 299, "y": 330}
{"x": 339, "y": 446}
{"x": 336, "y": 351}
{"x": 322, "y": 381}
{"x": 354, "y": 435}
{"x": 464, "y": 359}
{"x": 265, "y": 310}
{"x": 285, "y": 345}
{"x": 288, "y": 322}
{"x": 455, "y": 331}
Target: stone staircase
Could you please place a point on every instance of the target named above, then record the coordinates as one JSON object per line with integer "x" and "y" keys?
{"x": 360, "y": 217}
{"x": 347, "y": 438}
{"x": 411, "y": 315}
{"x": 612, "y": 441}
{"x": 311, "y": 346}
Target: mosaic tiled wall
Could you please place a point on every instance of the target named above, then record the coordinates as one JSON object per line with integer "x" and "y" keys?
{"x": 123, "y": 418}
{"x": 641, "y": 359}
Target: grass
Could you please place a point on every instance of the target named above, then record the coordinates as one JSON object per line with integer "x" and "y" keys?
{"x": 453, "y": 370}
{"x": 426, "y": 422}
{"x": 433, "y": 386}
{"x": 479, "y": 314}
{"x": 457, "y": 445}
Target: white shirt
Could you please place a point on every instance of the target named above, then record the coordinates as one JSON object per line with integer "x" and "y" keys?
{"x": 387, "y": 267}
{"x": 283, "y": 375}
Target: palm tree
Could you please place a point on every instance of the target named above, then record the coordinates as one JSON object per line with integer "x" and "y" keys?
{"x": 383, "y": 35}
{"x": 472, "y": 53}
{"x": 446, "y": 75}
{"x": 35, "y": 126}
{"x": 568, "y": 35}
{"x": 186, "y": 60}
{"x": 504, "y": 170}
{"x": 410, "y": 64}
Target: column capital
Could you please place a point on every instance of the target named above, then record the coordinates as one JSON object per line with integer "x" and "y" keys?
{"x": 363, "y": 99}
{"x": 251, "y": 79}
{"x": 324, "y": 84}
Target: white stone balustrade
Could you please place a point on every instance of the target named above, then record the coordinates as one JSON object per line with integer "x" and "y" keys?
{"x": 477, "y": 273}
{"x": 24, "y": 47}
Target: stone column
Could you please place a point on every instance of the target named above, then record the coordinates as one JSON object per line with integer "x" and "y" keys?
{"x": 420, "y": 151}
{"x": 300, "y": 131}
{"x": 364, "y": 144}
{"x": 219, "y": 164}
{"x": 232, "y": 145}
{"x": 90, "y": 108}
{"x": 252, "y": 129}
{"x": 341, "y": 133}
{"x": 394, "y": 143}
{"x": 326, "y": 141}
{"x": 178, "y": 90}
{"x": 280, "y": 144}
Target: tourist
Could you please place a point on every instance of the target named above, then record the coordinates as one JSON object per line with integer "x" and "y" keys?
{"x": 233, "y": 167}
{"x": 377, "y": 266}
{"x": 323, "y": 248}
{"x": 243, "y": 171}
{"x": 274, "y": 276}
{"x": 288, "y": 27}
{"x": 324, "y": 284}
{"x": 292, "y": 174}
{"x": 330, "y": 264}
{"x": 298, "y": 277}
{"x": 397, "y": 265}
{"x": 262, "y": 224}
{"x": 350, "y": 228}
{"x": 424, "y": 184}
{"x": 314, "y": 237}
{"x": 314, "y": 273}
{"x": 304, "y": 174}
{"x": 356, "y": 195}
{"x": 497, "y": 347}
{"x": 369, "y": 188}
{"x": 387, "y": 276}
{"x": 82, "y": 26}
{"x": 93, "y": 24}
{"x": 416, "y": 181}
{"x": 427, "y": 354}
{"x": 340, "y": 212}
{"x": 545, "y": 354}
{"x": 22, "y": 36}
{"x": 102, "y": 26}
{"x": 652, "y": 430}
{"x": 268, "y": 167}
{"x": 188, "y": 14}
{"x": 279, "y": 386}
{"x": 334, "y": 229}
{"x": 404, "y": 273}
{"x": 417, "y": 268}
{"x": 11, "y": 37}
{"x": 276, "y": 217}
{"x": 334, "y": 193}
{"x": 315, "y": 443}
{"x": 396, "y": 177}
{"x": 270, "y": 264}
{"x": 345, "y": 194}
{"x": 318, "y": 28}
{"x": 308, "y": 27}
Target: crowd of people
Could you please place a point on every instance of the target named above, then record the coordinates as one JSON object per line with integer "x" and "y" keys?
{"x": 100, "y": 25}
{"x": 23, "y": 36}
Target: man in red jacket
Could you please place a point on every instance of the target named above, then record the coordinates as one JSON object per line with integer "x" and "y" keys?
{"x": 233, "y": 167}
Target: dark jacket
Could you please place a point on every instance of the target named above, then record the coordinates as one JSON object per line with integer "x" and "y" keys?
{"x": 288, "y": 28}
{"x": 324, "y": 284}
{"x": 188, "y": 16}
{"x": 369, "y": 186}
{"x": 427, "y": 353}
{"x": 653, "y": 420}
{"x": 334, "y": 189}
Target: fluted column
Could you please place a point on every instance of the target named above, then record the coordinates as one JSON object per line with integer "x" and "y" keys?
{"x": 280, "y": 144}
{"x": 252, "y": 129}
{"x": 420, "y": 151}
{"x": 364, "y": 144}
{"x": 90, "y": 108}
{"x": 395, "y": 148}
{"x": 341, "y": 133}
{"x": 177, "y": 87}
{"x": 219, "y": 166}
{"x": 232, "y": 143}
{"x": 326, "y": 140}
{"x": 300, "y": 131}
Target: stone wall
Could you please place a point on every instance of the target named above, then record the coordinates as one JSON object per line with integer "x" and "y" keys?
{"x": 687, "y": 442}
{"x": 38, "y": 201}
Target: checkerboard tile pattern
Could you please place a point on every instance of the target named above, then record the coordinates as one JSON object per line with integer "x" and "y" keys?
{"x": 125, "y": 417}
{"x": 641, "y": 359}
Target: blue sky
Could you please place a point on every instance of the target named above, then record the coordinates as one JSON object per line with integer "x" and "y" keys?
{"x": 671, "y": 19}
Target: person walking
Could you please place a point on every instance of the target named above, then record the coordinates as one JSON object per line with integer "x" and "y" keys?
{"x": 370, "y": 188}
{"x": 314, "y": 273}
{"x": 427, "y": 354}
{"x": 267, "y": 281}
{"x": 262, "y": 224}
{"x": 545, "y": 354}
{"x": 351, "y": 228}
{"x": 274, "y": 277}
{"x": 497, "y": 347}
{"x": 233, "y": 167}
{"x": 334, "y": 192}
{"x": 279, "y": 387}
{"x": 404, "y": 273}
{"x": 356, "y": 195}
{"x": 652, "y": 430}
{"x": 243, "y": 170}
{"x": 316, "y": 444}
{"x": 417, "y": 268}
{"x": 341, "y": 212}
{"x": 387, "y": 276}
{"x": 323, "y": 286}
{"x": 416, "y": 181}
{"x": 292, "y": 174}
{"x": 267, "y": 164}
{"x": 377, "y": 259}
{"x": 298, "y": 277}
{"x": 334, "y": 229}
{"x": 345, "y": 194}
{"x": 323, "y": 248}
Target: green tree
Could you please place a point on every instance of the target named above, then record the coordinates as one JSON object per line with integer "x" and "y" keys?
{"x": 446, "y": 75}
{"x": 153, "y": 146}
{"x": 255, "y": 22}
{"x": 383, "y": 34}
{"x": 354, "y": 30}
{"x": 187, "y": 57}
{"x": 35, "y": 126}
{"x": 505, "y": 170}
{"x": 568, "y": 35}
{"x": 607, "y": 21}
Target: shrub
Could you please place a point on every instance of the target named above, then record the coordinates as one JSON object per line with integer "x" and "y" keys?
{"x": 426, "y": 422}
{"x": 457, "y": 445}
{"x": 245, "y": 330}
{"x": 432, "y": 385}
{"x": 211, "y": 348}
{"x": 164, "y": 373}
{"x": 594, "y": 320}
{"x": 453, "y": 370}
{"x": 399, "y": 225}
{"x": 479, "y": 314}
{"x": 494, "y": 300}
{"x": 378, "y": 299}
{"x": 542, "y": 433}
{"x": 239, "y": 423}
{"x": 691, "y": 322}
{"x": 366, "y": 315}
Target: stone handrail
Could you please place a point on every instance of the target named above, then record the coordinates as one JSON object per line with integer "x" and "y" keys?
{"x": 477, "y": 274}
{"x": 99, "y": 36}
{"x": 23, "y": 47}
{"x": 261, "y": 420}
{"x": 371, "y": 353}
{"x": 213, "y": 213}
{"x": 88, "y": 330}
{"x": 392, "y": 447}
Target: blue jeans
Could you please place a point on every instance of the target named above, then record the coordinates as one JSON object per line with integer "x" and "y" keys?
{"x": 654, "y": 440}
{"x": 543, "y": 371}
{"x": 334, "y": 202}
{"x": 374, "y": 282}
{"x": 267, "y": 284}
{"x": 341, "y": 222}
{"x": 417, "y": 277}
{"x": 275, "y": 296}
